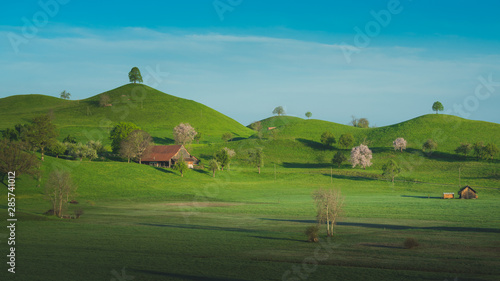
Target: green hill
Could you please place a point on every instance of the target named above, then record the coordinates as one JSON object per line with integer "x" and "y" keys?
{"x": 152, "y": 110}
{"x": 449, "y": 131}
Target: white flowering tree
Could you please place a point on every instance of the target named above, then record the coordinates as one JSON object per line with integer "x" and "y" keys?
{"x": 399, "y": 144}
{"x": 361, "y": 155}
{"x": 184, "y": 133}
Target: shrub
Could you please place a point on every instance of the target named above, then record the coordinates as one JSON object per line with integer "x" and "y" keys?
{"x": 312, "y": 233}
{"x": 410, "y": 243}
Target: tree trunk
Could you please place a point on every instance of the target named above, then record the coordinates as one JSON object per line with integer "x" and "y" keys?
{"x": 140, "y": 162}
{"x": 214, "y": 173}
{"x": 327, "y": 222}
{"x": 128, "y": 161}
{"x": 259, "y": 170}
{"x": 42, "y": 154}
{"x": 392, "y": 179}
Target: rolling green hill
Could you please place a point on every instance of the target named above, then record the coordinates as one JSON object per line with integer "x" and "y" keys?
{"x": 449, "y": 131}
{"x": 152, "y": 110}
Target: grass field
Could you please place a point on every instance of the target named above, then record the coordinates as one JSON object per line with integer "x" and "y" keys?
{"x": 156, "y": 225}
{"x": 146, "y": 223}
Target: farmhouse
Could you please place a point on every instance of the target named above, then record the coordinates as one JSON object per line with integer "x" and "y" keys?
{"x": 467, "y": 193}
{"x": 167, "y": 155}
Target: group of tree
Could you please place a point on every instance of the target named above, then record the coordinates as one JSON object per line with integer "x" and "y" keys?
{"x": 329, "y": 207}
{"x": 221, "y": 159}
{"x": 135, "y": 145}
{"x": 345, "y": 140}
{"x": 90, "y": 150}
{"x": 479, "y": 149}
{"x": 60, "y": 190}
{"x": 360, "y": 123}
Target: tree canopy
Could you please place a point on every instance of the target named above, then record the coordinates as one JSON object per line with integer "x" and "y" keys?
{"x": 437, "y": 106}
{"x": 308, "y": 114}
{"x": 279, "y": 110}
{"x": 135, "y": 75}
{"x": 65, "y": 95}
{"x": 361, "y": 155}
{"x": 184, "y": 133}
{"x": 327, "y": 138}
{"x": 391, "y": 169}
{"x": 346, "y": 140}
{"x": 41, "y": 133}
{"x": 121, "y": 132}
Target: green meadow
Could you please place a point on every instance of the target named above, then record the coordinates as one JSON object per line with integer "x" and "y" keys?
{"x": 146, "y": 223}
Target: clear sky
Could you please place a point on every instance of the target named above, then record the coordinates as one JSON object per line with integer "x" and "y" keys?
{"x": 387, "y": 61}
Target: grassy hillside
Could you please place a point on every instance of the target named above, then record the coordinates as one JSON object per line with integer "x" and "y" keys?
{"x": 449, "y": 131}
{"x": 152, "y": 110}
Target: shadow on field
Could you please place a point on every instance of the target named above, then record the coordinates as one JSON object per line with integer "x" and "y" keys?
{"x": 312, "y": 144}
{"x": 184, "y": 276}
{"x": 400, "y": 227}
{"x": 381, "y": 246}
{"x": 164, "y": 170}
{"x": 163, "y": 141}
{"x": 347, "y": 177}
{"x": 305, "y": 165}
{"x": 201, "y": 227}
{"x": 277, "y": 238}
{"x": 203, "y": 172}
{"x": 422, "y": 197}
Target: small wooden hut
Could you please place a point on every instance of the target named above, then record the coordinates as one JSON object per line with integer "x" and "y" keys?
{"x": 467, "y": 193}
{"x": 448, "y": 195}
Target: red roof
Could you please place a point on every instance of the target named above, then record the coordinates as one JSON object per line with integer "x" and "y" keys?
{"x": 161, "y": 153}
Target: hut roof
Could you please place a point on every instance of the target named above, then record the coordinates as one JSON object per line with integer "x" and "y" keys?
{"x": 161, "y": 153}
{"x": 463, "y": 188}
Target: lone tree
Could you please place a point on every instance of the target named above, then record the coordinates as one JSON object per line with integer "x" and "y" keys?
{"x": 279, "y": 110}
{"x": 256, "y": 158}
{"x": 58, "y": 189}
{"x": 363, "y": 123}
{"x": 339, "y": 158}
{"x": 184, "y": 133}
{"x": 309, "y": 114}
{"x": 119, "y": 133}
{"x": 65, "y": 95}
{"x": 429, "y": 146}
{"x": 227, "y": 137}
{"x": 329, "y": 205}
{"x": 464, "y": 148}
{"x": 437, "y": 106}
{"x": 346, "y": 140}
{"x": 231, "y": 153}
{"x": 181, "y": 165}
{"x": 213, "y": 165}
{"x": 41, "y": 133}
{"x": 399, "y": 144}
{"x": 391, "y": 170}
{"x": 327, "y": 138}
{"x": 222, "y": 157}
{"x": 14, "y": 159}
{"x": 361, "y": 155}
{"x": 135, "y": 75}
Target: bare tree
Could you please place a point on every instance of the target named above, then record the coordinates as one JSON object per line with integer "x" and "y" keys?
{"x": 58, "y": 189}
{"x": 184, "y": 133}
{"x": 127, "y": 150}
{"x": 329, "y": 204}
{"x": 139, "y": 141}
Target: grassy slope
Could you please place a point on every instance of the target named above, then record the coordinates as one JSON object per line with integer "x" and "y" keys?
{"x": 154, "y": 111}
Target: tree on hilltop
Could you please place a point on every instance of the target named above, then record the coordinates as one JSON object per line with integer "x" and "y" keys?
{"x": 279, "y": 110}
{"x": 135, "y": 75}
{"x": 437, "y": 106}
{"x": 308, "y": 114}
{"x": 65, "y": 95}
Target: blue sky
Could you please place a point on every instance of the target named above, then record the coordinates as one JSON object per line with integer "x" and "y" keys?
{"x": 387, "y": 60}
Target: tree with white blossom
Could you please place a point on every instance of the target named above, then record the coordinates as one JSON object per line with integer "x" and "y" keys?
{"x": 184, "y": 133}
{"x": 361, "y": 155}
{"x": 399, "y": 144}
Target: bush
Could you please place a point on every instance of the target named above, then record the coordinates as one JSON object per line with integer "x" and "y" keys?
{"x": 312, "y": 233}
{"x": 410, "y": 243}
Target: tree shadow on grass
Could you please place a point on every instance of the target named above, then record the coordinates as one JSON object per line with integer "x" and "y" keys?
{"x": 380, "y": 246}
{"x": 348, "y": 177}
{"x": 202, "y": 227}
{"x": 421, "y": 197}
{"x": 164, "y": 170}
{"x": 203, "y": 172}
{"x": 279, "y": 238}
{"x": 312, "y": 144}
{"x": 184, "y": 276}
{"x": 401, "y": 227}
{"x": 163, "y": 141}
{"x": 305, "y": 165}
